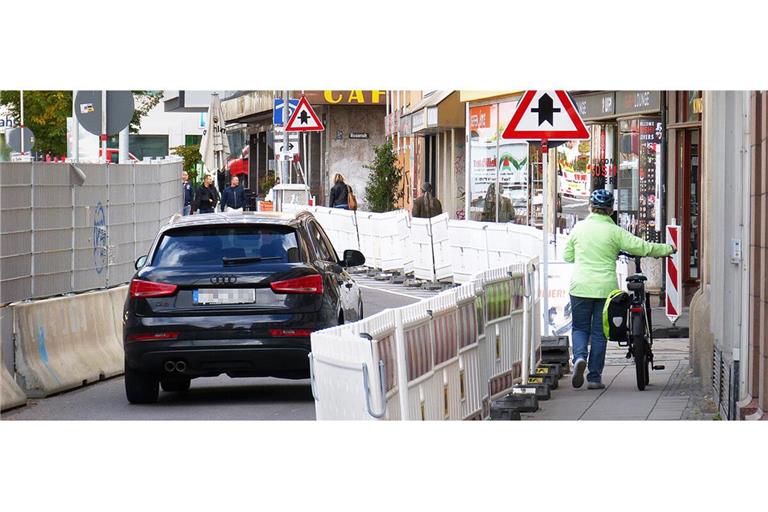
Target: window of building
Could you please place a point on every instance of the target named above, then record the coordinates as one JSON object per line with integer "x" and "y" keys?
{"x": 192, "y": 140}
{"x": 148, "y": 146}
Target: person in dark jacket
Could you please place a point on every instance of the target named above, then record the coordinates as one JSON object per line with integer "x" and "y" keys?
{"x": 207, "y": 196}
{"x": 188, "y": 193}
{"x": 426, "y": 206}
{"x": 339, "y": 193}
{"x": 233, "y": 197}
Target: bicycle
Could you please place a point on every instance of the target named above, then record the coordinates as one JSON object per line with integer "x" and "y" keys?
{"x": 640, "y": 326}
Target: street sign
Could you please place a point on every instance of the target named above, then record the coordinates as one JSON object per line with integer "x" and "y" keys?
{"x": 674, "y": 276}
{"x": 13, "y": 138}
{"x": 277, "y": 110}
{"x": 293, "y": 143}
{"x": 304, "y": 119}
{"x": 120, "y": 108}
{"x": 545, "y": 116}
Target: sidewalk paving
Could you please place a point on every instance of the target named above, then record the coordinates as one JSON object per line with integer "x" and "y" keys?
{"x": 670, "y": 395}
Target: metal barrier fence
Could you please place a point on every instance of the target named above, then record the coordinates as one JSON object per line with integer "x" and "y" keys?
{"x": 444, "y": 358}
{"x": 64, "y": 232}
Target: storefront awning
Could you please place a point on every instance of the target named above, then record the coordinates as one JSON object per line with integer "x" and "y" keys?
{"x": 437, "y": 112}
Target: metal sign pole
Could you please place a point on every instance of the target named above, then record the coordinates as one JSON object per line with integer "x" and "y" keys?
{"x": 545, "y": 235}
{"x": 104, "y": 158}
{"x": 285, "y": 178}
{"x": 21, "y": 128}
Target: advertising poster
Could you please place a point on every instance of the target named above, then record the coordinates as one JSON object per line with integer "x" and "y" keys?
{"x": 483, "y": 123}
{"x": 650, "y": 141}
{"x": 572, "y": 160}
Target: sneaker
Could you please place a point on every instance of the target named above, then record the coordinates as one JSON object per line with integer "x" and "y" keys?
{"x": 578, "y": 373}
{"x": 595, "y": 385}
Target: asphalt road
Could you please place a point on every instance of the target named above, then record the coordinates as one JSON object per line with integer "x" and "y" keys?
{"x": 220, "y": 398}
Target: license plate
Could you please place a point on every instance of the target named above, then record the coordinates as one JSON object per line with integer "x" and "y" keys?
{"x": 224, "y": 296}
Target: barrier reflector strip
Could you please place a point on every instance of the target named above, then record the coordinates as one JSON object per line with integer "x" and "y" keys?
{"x": 446, "y": 347}
{"x": 387, "y": 353}
{"x": 419, "y": 351}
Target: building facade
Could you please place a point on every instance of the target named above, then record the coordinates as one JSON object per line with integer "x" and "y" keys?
{"x": 354, "y": 125}
{"x": 729, "y": 312}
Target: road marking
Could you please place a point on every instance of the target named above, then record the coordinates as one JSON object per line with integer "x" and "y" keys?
{"x": 392, "y": 292}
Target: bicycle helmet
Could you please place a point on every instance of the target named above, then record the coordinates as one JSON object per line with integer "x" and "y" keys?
{"x": 601, "y": 198}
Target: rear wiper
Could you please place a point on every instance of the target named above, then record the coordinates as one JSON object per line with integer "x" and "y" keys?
{"x": 251, "y": 259}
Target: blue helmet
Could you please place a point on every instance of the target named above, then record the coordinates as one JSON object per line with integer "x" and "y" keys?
{"x": 601, "y": 198}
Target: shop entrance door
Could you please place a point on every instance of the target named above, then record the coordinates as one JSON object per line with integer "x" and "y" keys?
{"x": 688, "y": 154}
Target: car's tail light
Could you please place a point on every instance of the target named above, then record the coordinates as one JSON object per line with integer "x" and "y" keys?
{"x": 153, "y": 336}
{"x": 306, "y": 284}
{"x": 140, "y": 288}
{"x": 290, "y": 333}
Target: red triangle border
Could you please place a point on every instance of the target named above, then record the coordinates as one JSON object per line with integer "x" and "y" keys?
{"x": 580, "y": 133}
{"x": 289, "y": 126}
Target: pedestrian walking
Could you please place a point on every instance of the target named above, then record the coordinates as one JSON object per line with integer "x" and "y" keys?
{"x": 426, "y": 205}
{"x": 233, "y": 198}
{"x": 593, "y": 246}
{"x": 207, "y": 196}
{"x": 339, "y": 193}
{"x": 188, "y": 193}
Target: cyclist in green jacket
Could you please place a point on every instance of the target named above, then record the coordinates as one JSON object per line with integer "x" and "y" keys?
{"x": 594, "y": 245}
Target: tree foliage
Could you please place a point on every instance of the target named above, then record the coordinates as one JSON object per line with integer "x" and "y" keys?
{"x": 383, "y": 191}
{"x": 46, "y": 113}
{"x": 191, "y": 156}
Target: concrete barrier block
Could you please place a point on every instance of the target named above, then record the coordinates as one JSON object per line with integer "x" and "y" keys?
{"x": 66, "y": 342}
{"x": 11, "y": 395}
{"x": 117, "y": 298}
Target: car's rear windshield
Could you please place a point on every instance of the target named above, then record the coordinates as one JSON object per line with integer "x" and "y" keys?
{"x": 227, "y": 245}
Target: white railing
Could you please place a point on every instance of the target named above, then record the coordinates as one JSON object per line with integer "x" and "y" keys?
{"x": 444, "y": 358}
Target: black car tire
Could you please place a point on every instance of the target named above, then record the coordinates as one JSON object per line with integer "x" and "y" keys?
{"x": 140, "y": 388}
{"x": 175, "y": 385}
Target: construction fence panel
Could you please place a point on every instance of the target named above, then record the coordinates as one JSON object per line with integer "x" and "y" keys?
{"x": 67, "y": 229}
{"x": 16, "y": 225}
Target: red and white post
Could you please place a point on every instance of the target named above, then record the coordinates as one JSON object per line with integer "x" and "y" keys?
{"x": 674, "y": 290}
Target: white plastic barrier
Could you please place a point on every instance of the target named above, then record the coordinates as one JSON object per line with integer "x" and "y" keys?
{"x": 384, "y": 239}
{"x": 430, "y": 246}
{"x": 440, "y": 359}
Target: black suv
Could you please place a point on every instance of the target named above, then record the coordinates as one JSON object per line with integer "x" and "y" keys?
{"x": 233, "y": 293}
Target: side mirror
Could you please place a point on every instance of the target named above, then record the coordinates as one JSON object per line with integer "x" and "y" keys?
{"x": 353, "y": 258}
{"x": 140, "y": 262}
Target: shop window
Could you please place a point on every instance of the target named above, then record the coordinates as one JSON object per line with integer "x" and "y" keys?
{"x": 689, "y": 106}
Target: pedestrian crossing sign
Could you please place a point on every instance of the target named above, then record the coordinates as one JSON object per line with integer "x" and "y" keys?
{"x": 546, "y": 115}
{"x": 304, "y": 119}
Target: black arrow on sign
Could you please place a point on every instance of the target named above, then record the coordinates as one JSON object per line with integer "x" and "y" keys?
{"x": 545, "y": 110}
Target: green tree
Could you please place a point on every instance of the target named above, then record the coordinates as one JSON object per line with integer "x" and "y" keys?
{"x": 46, "y": 112}
{"x": 144, "y": 101}
{"x": 382, "y": 191}
{"x": 191, "y": 156}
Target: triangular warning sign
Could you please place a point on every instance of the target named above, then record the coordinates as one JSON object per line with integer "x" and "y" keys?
{"x": 304, "y": 119}
{"x": 546, "y": 115}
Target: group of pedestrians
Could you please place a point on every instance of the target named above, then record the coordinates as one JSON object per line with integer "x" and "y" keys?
{"x": 206, "y": 198}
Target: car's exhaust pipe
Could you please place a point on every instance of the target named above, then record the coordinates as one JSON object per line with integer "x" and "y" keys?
{"x": 170, "y": 366}
{"x": 181, "y": 366}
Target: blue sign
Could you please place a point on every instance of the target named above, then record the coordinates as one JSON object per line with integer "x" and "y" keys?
{"x": 277, "y": 110}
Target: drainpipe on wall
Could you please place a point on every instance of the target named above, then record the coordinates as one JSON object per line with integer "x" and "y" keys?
{"x": 663, "y": 178}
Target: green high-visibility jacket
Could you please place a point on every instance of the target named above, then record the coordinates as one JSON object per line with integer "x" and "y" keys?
{"x": 593, "y": 246}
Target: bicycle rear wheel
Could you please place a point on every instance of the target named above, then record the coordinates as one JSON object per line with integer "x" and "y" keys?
{"x": 641, "y": 363}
